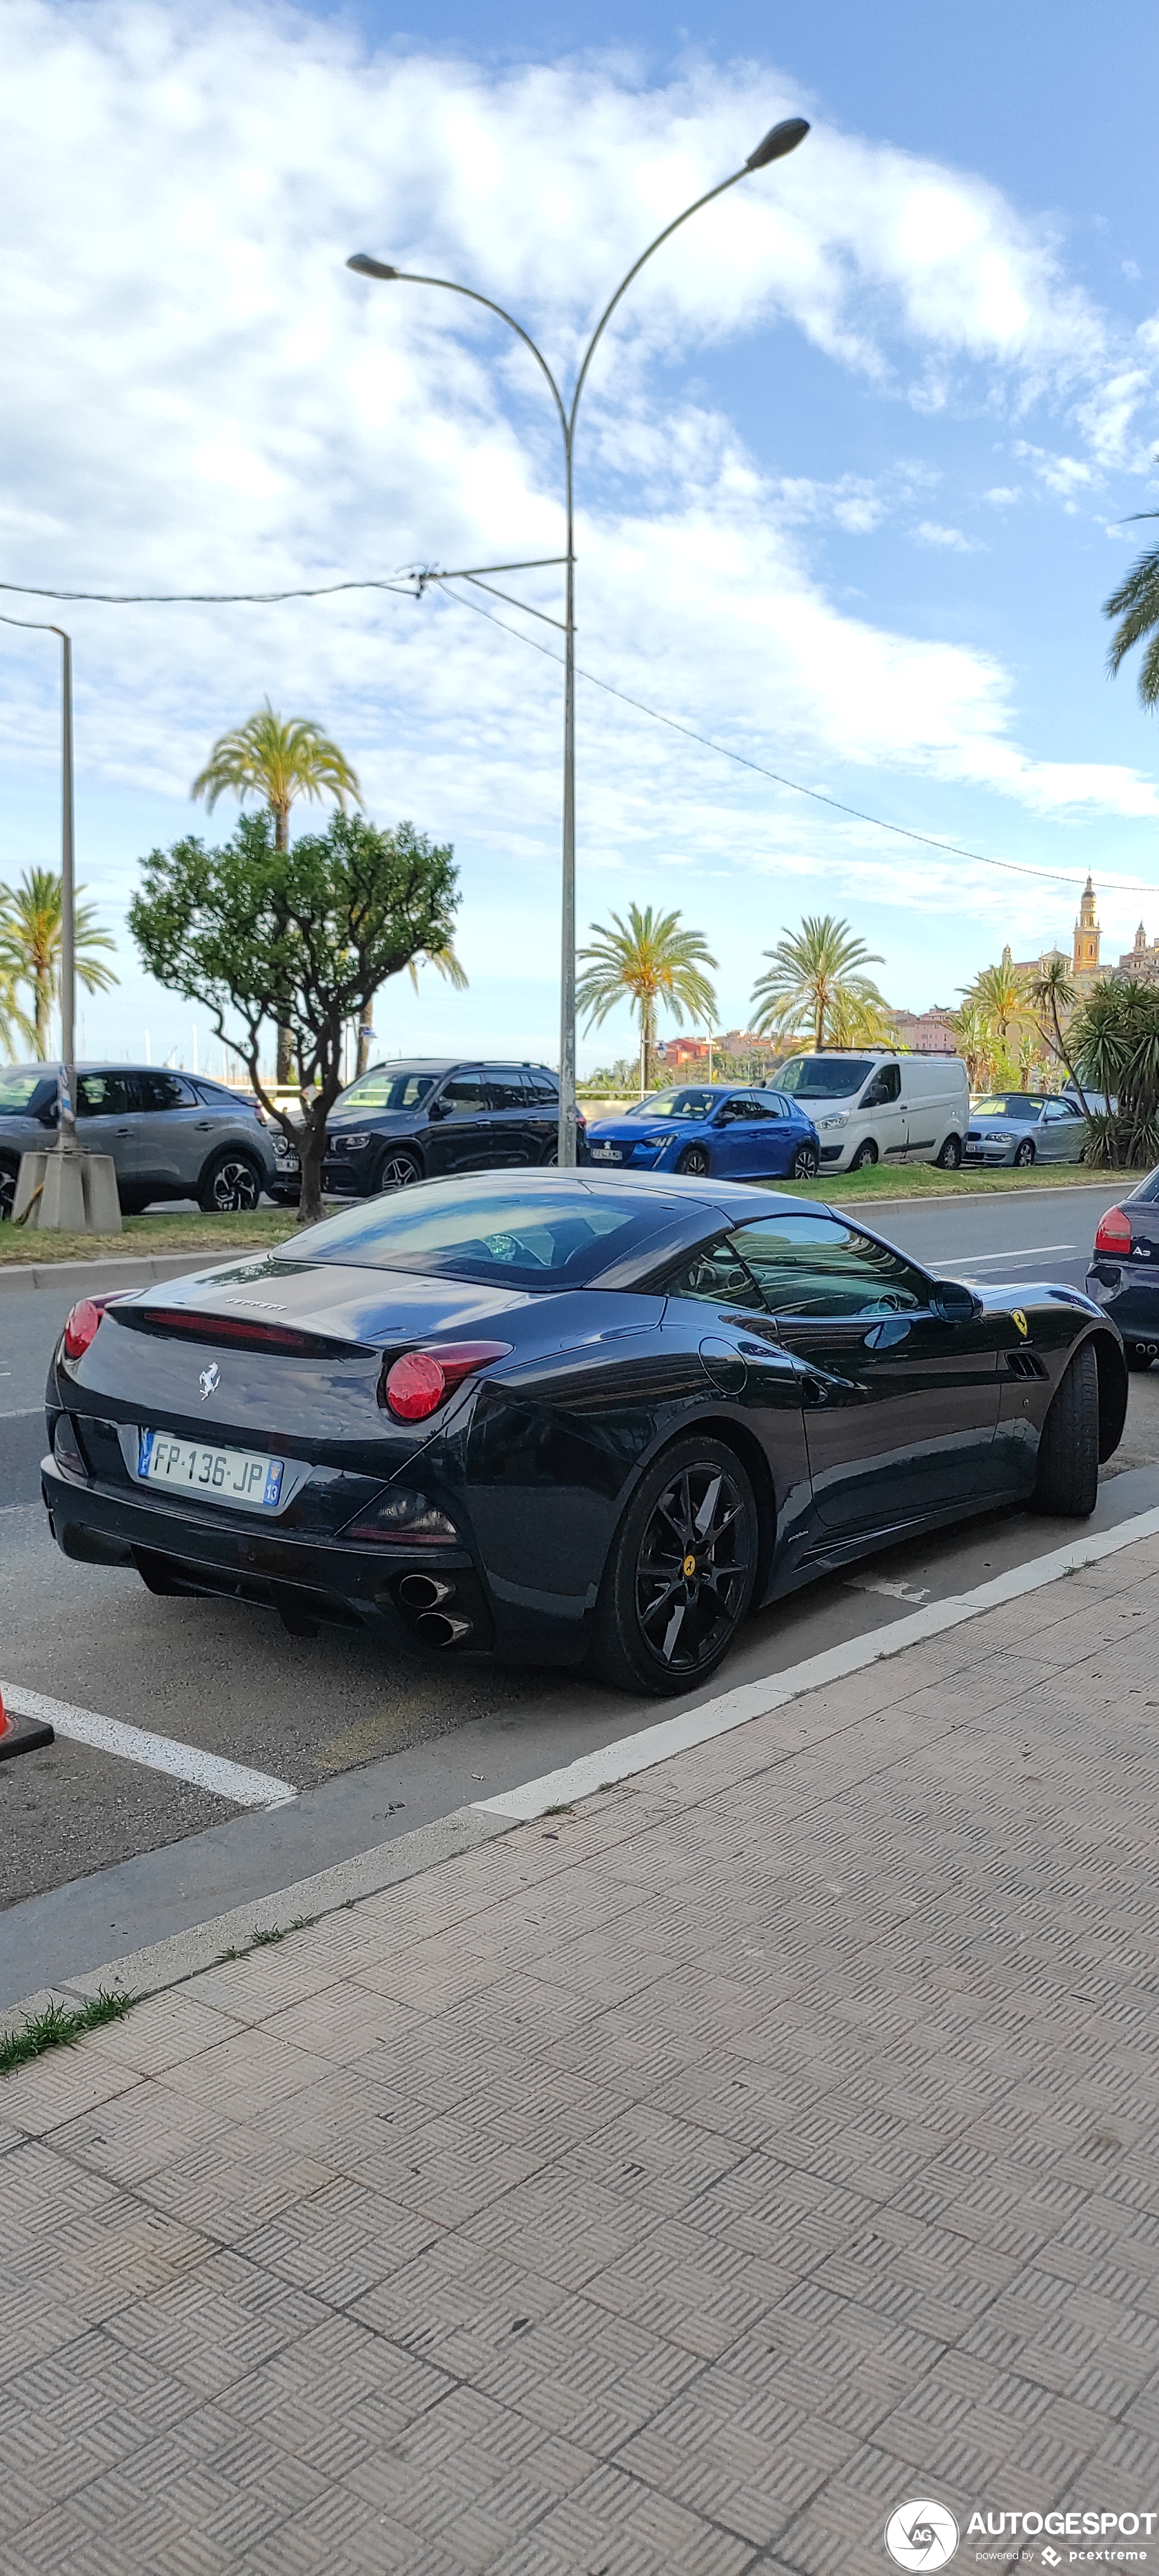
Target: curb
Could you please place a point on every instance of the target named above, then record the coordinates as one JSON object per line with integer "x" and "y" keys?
{"x": 170, "y": 1962}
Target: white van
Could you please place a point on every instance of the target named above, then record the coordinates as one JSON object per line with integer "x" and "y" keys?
{"x": 871, "y": 1106}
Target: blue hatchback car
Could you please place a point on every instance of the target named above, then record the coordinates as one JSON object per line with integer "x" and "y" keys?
{"x": 711, "y": 1130}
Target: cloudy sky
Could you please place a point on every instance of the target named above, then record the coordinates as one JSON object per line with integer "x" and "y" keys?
{"x": 852, "y": 471}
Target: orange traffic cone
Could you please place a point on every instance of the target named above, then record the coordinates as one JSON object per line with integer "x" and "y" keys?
{"x": 21, "y": 1734}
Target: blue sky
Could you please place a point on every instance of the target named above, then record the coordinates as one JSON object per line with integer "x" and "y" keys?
{"x": 851, "y": 486}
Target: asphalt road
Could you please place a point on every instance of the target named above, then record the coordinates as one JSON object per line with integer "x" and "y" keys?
{"x": 379, "y": 1738}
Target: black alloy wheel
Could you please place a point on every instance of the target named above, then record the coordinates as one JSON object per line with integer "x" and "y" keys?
{"x": 1024, "y": 1154}
{"x": 694, "y": 1160}
{"x": 1066, "y": 1483}
{"x": 550, "y": 1154}
{"x": 231, "y": 1185}
{"x": 806, "y": 1162}
{"x": 7, "y": 1192}
{"x": 865, "y": 1155}
{"x": 680, "y": 1576}
{"x": 398, "y": 1170}
{"x": 950, "y": 1158}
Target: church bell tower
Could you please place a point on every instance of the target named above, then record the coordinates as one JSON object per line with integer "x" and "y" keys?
{"x": 1087, "y": 935}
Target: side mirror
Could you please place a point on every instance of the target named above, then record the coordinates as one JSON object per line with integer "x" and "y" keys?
{"x": 439, "y": 1109}
{"x": 953, "y": 1303}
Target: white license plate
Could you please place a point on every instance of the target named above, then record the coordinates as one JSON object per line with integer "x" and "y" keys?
{"x": 288, "y": 1163}
{"x": 606, "y": 1154}
{"x": 213, "y": 1475}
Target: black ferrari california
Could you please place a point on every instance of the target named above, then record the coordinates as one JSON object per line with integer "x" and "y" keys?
{"x": 563, "y": 1416}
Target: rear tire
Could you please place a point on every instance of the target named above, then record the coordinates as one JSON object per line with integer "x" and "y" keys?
{"x": 1024, "y": 1155}
{"x": 694, "y": 1160}
{"x": 657, "y": 1628}
{"x": 865, "y": 1155}
{"x": 950, "y": 1158}
{"x": 230, "y": 1185}
{"x": 550, "y": 1155}
{"x": 398, "y": 1170}
{"x": 1067, "y": 1482}
{"x": 7, "y": 1192}
{"x": 806, "y": 1163}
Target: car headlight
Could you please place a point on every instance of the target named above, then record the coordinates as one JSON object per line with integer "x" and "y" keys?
{"x": 994, "y": 1136}
{"x": 840, "y": 1119}
{"x": 654, "y": 1140}
{"x": 349, "y": 1144}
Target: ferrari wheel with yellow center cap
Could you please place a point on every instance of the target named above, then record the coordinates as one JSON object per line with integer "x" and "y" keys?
{"x": 681, "y": 1573}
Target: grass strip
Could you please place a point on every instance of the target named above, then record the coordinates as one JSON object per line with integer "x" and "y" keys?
{"x": 925, "y": 1181}
{"x": 205, "y": 1237}
{"x": 57, "y": 2027}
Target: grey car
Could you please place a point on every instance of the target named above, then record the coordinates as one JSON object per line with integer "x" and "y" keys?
{"x": 171, "y": 1135}
{"x": 1024, "y": 1127}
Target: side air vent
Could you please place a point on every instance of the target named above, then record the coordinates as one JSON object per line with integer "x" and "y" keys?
{"x": 1025, "y": 1364}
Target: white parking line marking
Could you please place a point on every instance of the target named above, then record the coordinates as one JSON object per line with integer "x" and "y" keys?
{"x": 232, "y": 1780}
{"x": 1030, "y": 1252}
{"x": 22, "y": 1413}
{"x": 633, "y": 1753}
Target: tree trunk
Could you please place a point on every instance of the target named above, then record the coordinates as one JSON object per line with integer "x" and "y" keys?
{"x": 285, "y": 1073}
{"x": 311, "y": 1147}
{"x": 819, "y": 1028}
{"x": 365, "y": 1035}
{"x": 649, "y": 1046}
{"x": 42, "y": 989}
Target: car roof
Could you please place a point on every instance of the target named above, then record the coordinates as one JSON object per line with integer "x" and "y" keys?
{"x": 452, "y": 1064}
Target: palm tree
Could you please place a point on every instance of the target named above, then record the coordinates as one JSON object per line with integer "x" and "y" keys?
{"x": 812, "y": 975}
{"x": 30, "y": 924}
{"x": 974, "y": 1043}
{"x": 1000, "y": 994}
{"x": 279, "y": 760}
{"x": 1136, "y": 604}
{"x": 1051, "y": 994}
{"x": 654, "y": 963}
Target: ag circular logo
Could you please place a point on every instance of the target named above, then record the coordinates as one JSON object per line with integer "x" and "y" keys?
{"x": 921, "y": 2535}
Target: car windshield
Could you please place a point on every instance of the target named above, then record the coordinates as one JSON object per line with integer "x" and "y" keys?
{"x": 492, "y": 1230}
{"x": 1148, "y": 1189}
{"x": 17, "y": 1085}
{"x": 675, "y": 1104}
{"x": 1010, "y": 1104}
{"x": 389, "y": 1086}
{"x": 824, "y": 1077}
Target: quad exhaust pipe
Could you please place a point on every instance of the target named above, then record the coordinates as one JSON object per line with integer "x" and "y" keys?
{"x": 429, "y": 1595}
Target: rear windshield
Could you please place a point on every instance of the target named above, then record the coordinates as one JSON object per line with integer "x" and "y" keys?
{"x": 675, "y": 1104}
{"x": 17, "y": 1086}
{"x": 824, "y": 1077}
{"x": 390, "y": 1086}
{"x": 491, "y": 1230}
{"x": 1148, "y": 1189}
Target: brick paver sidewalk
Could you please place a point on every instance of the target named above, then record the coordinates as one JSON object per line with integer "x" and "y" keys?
{"x": 669, "y": 2190}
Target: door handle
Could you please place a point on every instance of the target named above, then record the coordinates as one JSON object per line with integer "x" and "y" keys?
{"x": 124, "y": 1131}
{"x": 204, "y": 1126}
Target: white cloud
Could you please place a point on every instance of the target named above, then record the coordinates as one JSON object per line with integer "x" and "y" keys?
{"x": 199, "y": 396}
{"x": 930, "y": 532}
{"x": 1002, "y": 495}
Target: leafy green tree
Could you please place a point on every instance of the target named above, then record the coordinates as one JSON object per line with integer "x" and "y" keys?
{"x": 30, "y": 933}
{"x": 1114, "y": 1040}
{"x": 815, "y": 975}
{"x": 653, "y": 963}
{"x": 278, "y": 759}
{"x": 974, "y": 1042}
{"x": 311, "y": 930}
{"x": 1136, "y": 605}
{"x": 1000, "y": 994}
{"x": 1052, "y": 997}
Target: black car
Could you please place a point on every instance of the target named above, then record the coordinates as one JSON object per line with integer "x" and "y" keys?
{"x": 563, "y": 1416}
{"x": 1124, "y": 1274}
{"x": 170, "y": 1135}
{"x": 412, "y": 1122}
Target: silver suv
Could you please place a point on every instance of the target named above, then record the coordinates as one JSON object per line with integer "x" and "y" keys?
{"x": 171, "y": 1135}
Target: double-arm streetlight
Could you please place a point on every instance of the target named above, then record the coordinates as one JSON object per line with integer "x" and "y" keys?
{"x": 781, "y": 138}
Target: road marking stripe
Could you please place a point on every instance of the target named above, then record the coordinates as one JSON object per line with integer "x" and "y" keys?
{"x": 633, "y": 1753}
{"x": 232, "y": 1780}
{"x": 22, "y": 1413}
{"x": 1029, "y": 1253}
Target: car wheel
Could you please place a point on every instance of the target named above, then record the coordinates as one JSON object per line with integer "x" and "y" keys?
{"x": 7, "y": 1192}
{"x": 865, "y": 1155}
{"x": 1138, "y": 1355}
{"x": 1067, "y": 1481}
{"x": 230, "y": 1185}
{"x": 550, "y": 1154}
{"x": 398, "y": 1170}
{"x": 950, "y": 1158}
{"x": 694, "y": 1160}
{"x": 680, "y": 1576}
{"x": 806, "y": 1162}
{"x": 1024, "y": 1154}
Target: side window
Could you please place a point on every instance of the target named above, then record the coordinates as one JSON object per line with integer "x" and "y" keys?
{"x": 717, "y": 1277}
{"x": 740, "y": 1106}
{"x": 105, "y": 1095}
{"x": 1056, "y": 1110}
{"x": 815, "y": 1265}
{"x": 543, "y": 1090}
{"x": 464, "y": 1095}
{"x": 506, "y": 1085}
{"x": 761, "y": 1108}
{"x": 163, "y": 1091}
{"x": 885, "y": 1086}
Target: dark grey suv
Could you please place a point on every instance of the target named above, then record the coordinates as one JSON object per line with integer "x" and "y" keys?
{"x": 171, "y": 1135}
{"x": 419, "y": 1120}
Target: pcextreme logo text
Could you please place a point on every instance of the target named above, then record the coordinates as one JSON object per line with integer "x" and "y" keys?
{"x": 924, "y": 2535}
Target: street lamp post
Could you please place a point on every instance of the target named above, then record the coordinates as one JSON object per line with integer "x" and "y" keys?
{"x": 780, "y": 139}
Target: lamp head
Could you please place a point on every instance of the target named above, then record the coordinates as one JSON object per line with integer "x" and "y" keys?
{"x": 780, "y": 139}
{"x": 365, "y": 266}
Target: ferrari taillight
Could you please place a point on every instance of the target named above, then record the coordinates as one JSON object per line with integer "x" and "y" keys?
{"x": 81, "y": 1325}
{"x": 420, "y": 1381}
{"x": 1114, "y": 1234}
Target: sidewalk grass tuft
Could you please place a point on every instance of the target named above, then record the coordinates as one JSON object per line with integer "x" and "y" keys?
{"x": 58, "y": 2028}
